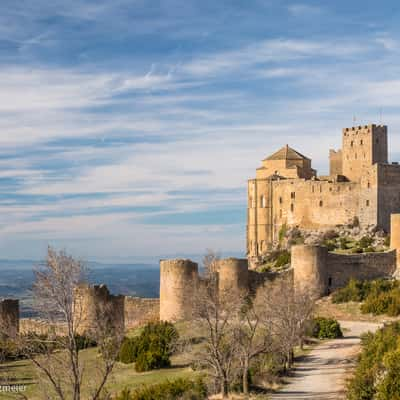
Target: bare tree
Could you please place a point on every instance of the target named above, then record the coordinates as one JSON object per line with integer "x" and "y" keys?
{"x": 213, "y": 315}
{"x": 252, "y": 336}
{"x": 58, "y": 360}
{"x": 287, "y": 313}
{"x": 210, "y": 263}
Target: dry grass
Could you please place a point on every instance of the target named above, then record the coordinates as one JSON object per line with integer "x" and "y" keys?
{"x": 123, "y": 375}
{"x": 349, "y": 311}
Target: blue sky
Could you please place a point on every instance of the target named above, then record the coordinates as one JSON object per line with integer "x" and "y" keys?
{"x": 128, "y": 129}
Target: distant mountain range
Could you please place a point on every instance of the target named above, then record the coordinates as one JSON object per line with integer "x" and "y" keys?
{"x": 16, "y": 278}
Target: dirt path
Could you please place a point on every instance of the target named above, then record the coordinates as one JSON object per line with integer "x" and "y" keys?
{"x": 321, "y": 374}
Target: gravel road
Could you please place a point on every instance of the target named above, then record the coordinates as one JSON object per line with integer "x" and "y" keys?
{"x": 321, "y": 374}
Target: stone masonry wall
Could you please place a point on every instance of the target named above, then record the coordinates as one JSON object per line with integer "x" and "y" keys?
{"x": 139, "y": 311}
{"x": 341, "y": 267}
{"x": 317, "y": 269}
{"x": 9, "y": 317}
{"x": 41, "y": 327}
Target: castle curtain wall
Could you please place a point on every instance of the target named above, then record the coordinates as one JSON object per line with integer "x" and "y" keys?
{"x": 388, "y": 176}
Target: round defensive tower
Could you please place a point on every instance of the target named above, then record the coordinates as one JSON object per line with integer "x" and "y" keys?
{"x": 309, "y": 268}
{"x": 233, "y": 274}
{"x": 9, "y": 317}
{"x": 395, "y": 236}
{"x": 178, "y": 282}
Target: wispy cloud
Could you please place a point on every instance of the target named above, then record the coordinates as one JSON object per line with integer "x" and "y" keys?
{"x": 127, "y": 128}
{"x": 304, "y": 10}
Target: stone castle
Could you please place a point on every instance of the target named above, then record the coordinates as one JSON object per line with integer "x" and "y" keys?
{"x": 361, "y": 186}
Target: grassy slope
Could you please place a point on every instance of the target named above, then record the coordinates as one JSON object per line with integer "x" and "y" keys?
{"x": 123, "y": 375}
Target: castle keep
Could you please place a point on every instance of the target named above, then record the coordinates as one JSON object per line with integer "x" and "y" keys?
{"x": 362, "y": 186}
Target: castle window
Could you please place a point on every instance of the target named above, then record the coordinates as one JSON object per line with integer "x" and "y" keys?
{"x": 280, "y": 200}
{"x": 263, "y": 202}
{"x": 330, "y": 281}
{"x": 351, "y": 144}
{"x": 291, "y": 207}
{"x": 320, "y": 188}
{"x": 293, "y": 195}
{"x": 321, "y": 203}
{"x": 368, "y": 185}
{"x": 367, "y": 203}
{"x": 361, "y": 142}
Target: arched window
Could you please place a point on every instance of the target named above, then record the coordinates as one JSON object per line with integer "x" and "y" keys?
{"x": 368, "y": 185}
{"x": 291, "y": 207}
{"x": 367, "y": 203}
{"x": 280, "y": 200}
{"x": 351, "y": 143}
{"x": 321, "y": 203}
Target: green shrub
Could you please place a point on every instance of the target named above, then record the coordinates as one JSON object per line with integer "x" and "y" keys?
{"x": 153, "y": 358}
{"x": 377, "y": 370}
{"x": 354, "y": 291}
{"x": 282, "y": 233}
{"x": 365, "y": 241}
{"x": 387, "y": 241}
{"x": 128, "y": 351}
{"x": 84, "y": 342}
{"x": 383, "y": 300}
{"x": 330, "y": 244}
{"x": 389, "y": 387}
{"x": 282, "y": 259}
{"x": 169, "y": 390}
{"x": 343, "y": 243}
{"x": 326, "y": 328}
{"x": 377, "y": 295}
{"x": 152, "y": 348}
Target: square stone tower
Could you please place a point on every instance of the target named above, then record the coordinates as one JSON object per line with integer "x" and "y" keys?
{"x": 362, "y": 147}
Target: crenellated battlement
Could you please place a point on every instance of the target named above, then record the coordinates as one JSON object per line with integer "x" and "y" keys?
{"x": 362, "y": 186}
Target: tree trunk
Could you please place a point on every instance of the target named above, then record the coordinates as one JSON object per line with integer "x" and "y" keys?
{"x": 224, "y": 389}
{"x": 290, "y": 357}
{"x": 245, "y": 381}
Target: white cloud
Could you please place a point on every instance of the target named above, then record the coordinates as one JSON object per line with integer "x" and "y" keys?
{"x": 304, "y": 10}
